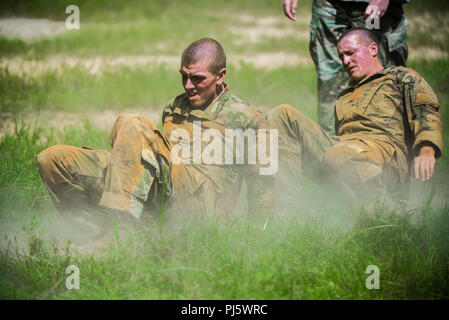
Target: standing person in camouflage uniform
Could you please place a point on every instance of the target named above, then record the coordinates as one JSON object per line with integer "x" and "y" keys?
{"x": 330, "y": 18}
{"x": 140, "y": 173}
{"x": 387, "y": 120}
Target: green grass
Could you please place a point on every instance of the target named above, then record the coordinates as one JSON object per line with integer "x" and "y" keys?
{"x": 294, "y": 258}
{"x": 306, "y": 254}
{"x": 116, "y": 28}
{"x": 113, "y": 10}
{"x": 76, "y": 90}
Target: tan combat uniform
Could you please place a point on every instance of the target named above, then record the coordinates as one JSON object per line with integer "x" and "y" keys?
{"x": 139, "y": 172}
{"x": 381, "y": 124}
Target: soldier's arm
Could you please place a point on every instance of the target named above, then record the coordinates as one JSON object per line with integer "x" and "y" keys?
{"x": 426, "y": 127}
{"x": 166, "y": 111}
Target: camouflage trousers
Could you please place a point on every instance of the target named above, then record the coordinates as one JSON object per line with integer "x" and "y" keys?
{"x": 84, "y": 183}
{"x": 329, "y": 19}
{"x": 355, "y": 170}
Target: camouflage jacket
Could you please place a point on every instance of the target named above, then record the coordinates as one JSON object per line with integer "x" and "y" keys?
{"x": 205, "y": 174}
{"x": 395, "y": 109}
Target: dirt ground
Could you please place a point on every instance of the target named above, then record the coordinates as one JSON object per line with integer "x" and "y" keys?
{"x": 103, "y": 119}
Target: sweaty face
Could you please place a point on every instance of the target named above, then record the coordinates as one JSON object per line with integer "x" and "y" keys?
{"x": 357, "y": 57}
{"x": 200, "y": 85}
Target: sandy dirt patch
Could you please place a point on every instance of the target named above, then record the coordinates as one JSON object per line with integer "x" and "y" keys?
{"x": 426, "y": 53}
{"x": 93, "y": 65}
{"x": 98, "y": 64}
{"x": 258, "y": 35}
{"x": 246, "y": 28}
{"x": 274, "y": 60}
{"x": 277, "y": 20}
{"x": 250, "y": 29}
{"x": 30, "y": 29}
{"x": 435, "y": 26}
{"x": 59, "y": 120}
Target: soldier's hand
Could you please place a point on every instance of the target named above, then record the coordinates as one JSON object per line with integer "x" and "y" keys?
{"x": 424, "y": 163}
{"x": 376, "y": 8}
{"x": 290, "y": 9}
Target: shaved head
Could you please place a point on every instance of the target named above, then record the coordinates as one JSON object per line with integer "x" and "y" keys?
{"x": 366, "y": 35}
{"x": 358, "y": 51}
{"x": 205, "y": 49}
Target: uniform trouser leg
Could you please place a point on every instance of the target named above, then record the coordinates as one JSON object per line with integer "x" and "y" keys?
{"x": 329, "y": 20}
{"x": 81, "y": 179}
{"x": 356, "y": 171}
{"x": 140, "y": 154}
{"x": 74, "y": 179}
{"x": 301, "y": 147}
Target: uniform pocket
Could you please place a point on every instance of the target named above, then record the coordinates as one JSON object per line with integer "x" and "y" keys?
{"x": 381, "y": 99}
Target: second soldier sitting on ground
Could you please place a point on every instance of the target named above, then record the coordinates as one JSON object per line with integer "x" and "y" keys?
{"x": 387, "y": 121}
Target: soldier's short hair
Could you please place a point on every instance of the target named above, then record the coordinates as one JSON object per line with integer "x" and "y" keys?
{"x": 368, "y": 36}
{"x": 205, "y": 48}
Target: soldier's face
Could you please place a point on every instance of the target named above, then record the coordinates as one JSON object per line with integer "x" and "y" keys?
{"x": 200, "y": 85}
{"x": 358, "y": 58}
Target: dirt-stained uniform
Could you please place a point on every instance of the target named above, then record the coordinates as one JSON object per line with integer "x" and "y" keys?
{"x": 139, "y": 172}
{"x": 215, "y": 186}
{"x": 381, "y": 124}
{"x": 329, "y": 19}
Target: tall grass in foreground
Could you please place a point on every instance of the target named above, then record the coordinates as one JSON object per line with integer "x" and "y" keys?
{"x": 294, "y": 258}
{"x": 301, "y": 255}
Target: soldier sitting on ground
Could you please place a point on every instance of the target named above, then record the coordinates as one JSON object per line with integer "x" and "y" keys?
{"x": 142, "y": 173}
{"x": 387, "y": 121}
{"x": 330, "y": 18}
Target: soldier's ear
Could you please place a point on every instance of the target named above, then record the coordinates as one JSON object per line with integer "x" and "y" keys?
{"x": 374, "y": 49}
{"x": 221, "y": 76}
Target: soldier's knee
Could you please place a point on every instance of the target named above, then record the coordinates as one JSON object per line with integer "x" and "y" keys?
{"x": 281, "y": 113}
{"x": 130, "y": 117}
{"x": 131, "y": 121}
{"x": 132, "y": 126}
{"x": 331, "y": 159}
{"x": 345, "y": 162}
{"x": 48, "y": 158}
{"x": 337, "y": 159}
{"x": 280, "y": 110}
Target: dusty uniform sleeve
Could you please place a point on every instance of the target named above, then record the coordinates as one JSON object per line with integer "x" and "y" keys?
{"x": 260, "y": 187}
{"x": 424, "y": 116}
{"x": 166, "y": 111}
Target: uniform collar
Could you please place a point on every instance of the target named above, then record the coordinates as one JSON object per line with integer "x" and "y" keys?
{"x": 208, "y": 113}
{"x": 353, "y": 84}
